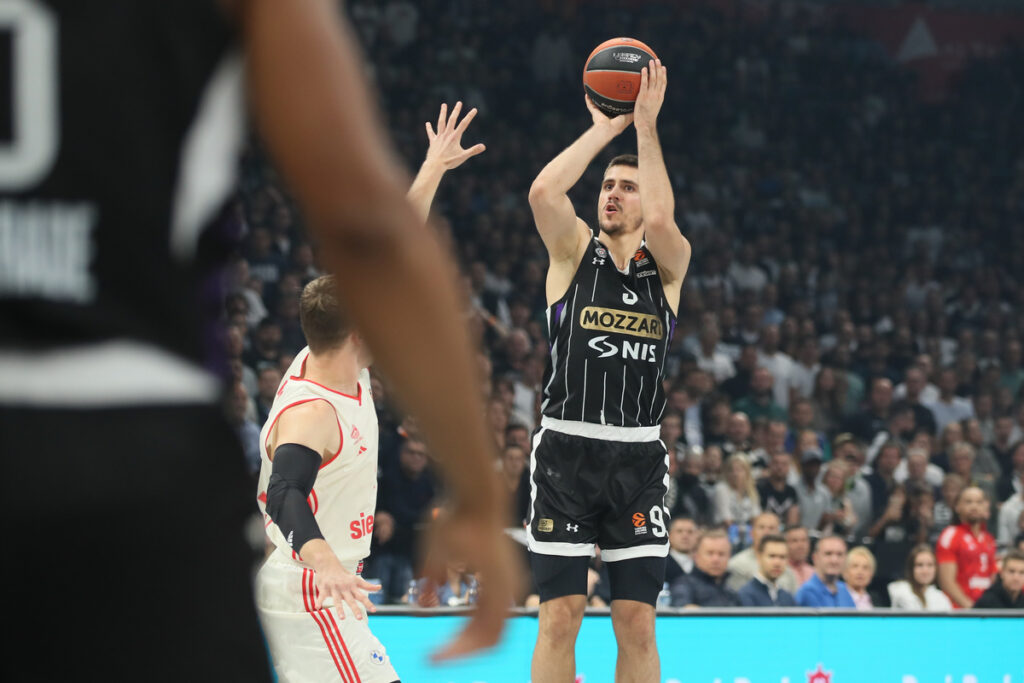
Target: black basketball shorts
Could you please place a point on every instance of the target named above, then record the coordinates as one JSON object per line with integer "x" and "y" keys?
{"x": 586, "y": 491}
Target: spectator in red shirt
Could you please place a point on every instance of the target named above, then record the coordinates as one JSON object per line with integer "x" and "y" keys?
{"x": 967, "y": 552}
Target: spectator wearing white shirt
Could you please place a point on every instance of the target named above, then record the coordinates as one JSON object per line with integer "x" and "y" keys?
{"x": 918, "y": 468}
{"x": 778, "y": 363}
{"x": 745, "y": 274}
{"x": 1011, "y": 517}
{"x": 710, "y": 357}
{"x": 918, "y": 591}
{"x": 803, "y": 372}
{"x": 949, "y": 407}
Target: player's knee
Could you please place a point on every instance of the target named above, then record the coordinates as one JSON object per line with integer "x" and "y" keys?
{"x": 634, "y": 625}
{"x": 560, "y": 618}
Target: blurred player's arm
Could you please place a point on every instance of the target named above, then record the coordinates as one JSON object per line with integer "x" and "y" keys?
{"x": 564, "y": 234}
{"x": 948, "y": 583}
{"x": 670, "y": 249}
{"x": 303, "y": 434}
{"x": 317, "y": 117}
{"x": 444, "y": 153}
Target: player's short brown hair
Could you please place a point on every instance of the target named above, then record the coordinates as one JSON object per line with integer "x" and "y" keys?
{"x": 623, "y": 160}
{"x": 323, "y": 322}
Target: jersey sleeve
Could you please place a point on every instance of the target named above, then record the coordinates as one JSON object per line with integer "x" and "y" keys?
{"x": 945, "y": 549}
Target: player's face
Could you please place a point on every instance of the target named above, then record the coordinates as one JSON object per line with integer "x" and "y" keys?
{"x": 618, "y": 205}
{"x": 973, "y": 507}
{"x": 773, "y": 560}
{"x": 1013, "y": 576}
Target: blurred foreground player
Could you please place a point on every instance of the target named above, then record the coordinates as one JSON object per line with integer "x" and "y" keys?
{"x": 318, "y": 480}
{"x": 123, "y": 484}
{"x": 598, "y": 470}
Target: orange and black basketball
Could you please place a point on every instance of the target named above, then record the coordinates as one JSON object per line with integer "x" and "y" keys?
{"x": 612, "y": 74}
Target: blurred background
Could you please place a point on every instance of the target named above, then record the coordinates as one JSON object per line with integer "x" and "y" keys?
{"x": 851, "y": 177}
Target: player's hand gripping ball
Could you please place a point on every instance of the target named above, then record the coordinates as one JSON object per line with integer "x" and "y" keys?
{"x": 611, "y": 76}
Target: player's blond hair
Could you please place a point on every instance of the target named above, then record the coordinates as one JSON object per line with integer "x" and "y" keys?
{"x": 325, "y": 325}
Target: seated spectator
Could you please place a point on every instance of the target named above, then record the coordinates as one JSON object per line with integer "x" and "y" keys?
{"x": 1005, "y": 592}
{"x": 736, "y": 499}
{"x": 918, "y": 469}
{"x": 691, "y": 497}
{"x": 798, "y": 542}
{"x": 962, "y": 459}
{"x": 839, "y": 517}
{"x": 1012, "y": 480}
{"x": 248, "y": 431}
{"x": 743, "y": 565}
{"x": 705, "y": 585}
{"x": 949, "y": 407}
{"x": 860, "y": 569}
{"x": 882, "y": 479}
{"x": 825, "y": 588}
{"x": 1011, "y": 518}
{"x": 811, "y": 496}
{"x": 867, "y": 423}
{"x": 759, "y": 401}
{"x": 967, "y": 552}
{"x": 986, "y": 468}
{"x": 517, "y": 478}
{"x": 765, "y": 589}
{"x": 945, "y": 507}
{"x": 737, "y": 436}
{"x": 777, "y": 496}
{"x": 918, "y": 590}
{"x": 682, "y": 536}
{"x": 801, "y": 419}
{"x": 459, "y": 588}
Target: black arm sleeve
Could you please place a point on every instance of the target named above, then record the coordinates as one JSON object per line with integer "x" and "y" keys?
{"x": 292, "y": 476}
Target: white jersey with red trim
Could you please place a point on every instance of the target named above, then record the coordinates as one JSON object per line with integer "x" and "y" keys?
{"x": 344, "y": 496}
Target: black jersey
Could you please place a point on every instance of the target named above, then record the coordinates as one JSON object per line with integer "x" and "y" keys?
{"x": 609, "y": 336}
{"x": 107, "y": 109}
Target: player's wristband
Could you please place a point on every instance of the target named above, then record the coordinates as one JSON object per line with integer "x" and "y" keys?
{"x": 292, "y": 476}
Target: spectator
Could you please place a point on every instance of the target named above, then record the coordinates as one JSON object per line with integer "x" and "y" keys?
{"x": 918, "y": 590}
{"x": 737, "y": 436}
{"x": 1011, "y": 515}
{"x": 967, "y": 552}
{"x": 917, "y": 392}
{"x": 743, "y": 565}
{"x": 867, "y": 423}
{"x": 839, "y": 518}
{"x": 1012, "y": 480}
{"x": 736, "y": 499}
{"x": 247, "y": 430}
{"x": 776, "y": 496}
{"x": 738, "y": 386}
{"x": 266, "y": 346}
{"x": 883, "y": 479}
{"x": 812, "y": 497}
{"x": 804, "y": 371}
{"x": 825, "y": 588}
{"x": 691, "y": 496}
{"x": 918, "y": 470}
{"x": 859, "y": 571}
{"x": 778, "y": 365}
{"x": 829, "y": 400}
{"x": 517, "y": 478}
{"x": 986, "y": 468}
{"x": 705, "y": 585}
{"x": 760, "y": 401}
{"x": 765, "y": 588}
{"x": 847, "y": 450}
{"x": 962, "y": 461}
{"x": 801, "y": 419}
{"x": 269, "y": 379}
{"x": 798, "y": 543}
{"x": 945, "y": 507}
{"x": 899, "y": 427}
{"x": 459, "y": 588}
{"x": 949, "y": 407}
{"x": 1005, "y": 592}
{"x": 710, "y": 356}
{"x": 682, "y": 537}
{"x": 1002, "y": 444}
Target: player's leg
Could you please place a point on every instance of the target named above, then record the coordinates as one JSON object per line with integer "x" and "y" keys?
{"x": 562, "y": 582}
{"x": 634, "y": 542}
{"x": 635, "y": 586}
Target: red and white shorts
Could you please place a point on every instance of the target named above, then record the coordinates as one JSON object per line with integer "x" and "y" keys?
{"x": 309, "y": 645}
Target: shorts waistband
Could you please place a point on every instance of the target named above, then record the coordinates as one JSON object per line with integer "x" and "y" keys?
{"x": 603, "y": 432}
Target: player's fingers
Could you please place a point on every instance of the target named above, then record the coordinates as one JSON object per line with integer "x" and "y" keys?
{"x": 442, "y": 117}
{"x": 430, "y": 132}
{"x": 464, "y": 123}
{"x": 456, "y": 110}
{"x": 472, "y": 152}
{"x": 367, "y": 586}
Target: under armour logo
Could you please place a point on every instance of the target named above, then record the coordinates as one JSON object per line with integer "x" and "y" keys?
{"x": 598, "y": 262}
{"x": 630, "y": 297}
{"x": 572, "y": 527}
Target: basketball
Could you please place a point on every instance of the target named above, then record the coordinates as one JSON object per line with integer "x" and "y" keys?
{"x": 611, "y": 75}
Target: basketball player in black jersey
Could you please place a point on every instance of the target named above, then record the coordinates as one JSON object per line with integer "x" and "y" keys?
{"x": 598, "y": 471}
{"x": 123, "y": 489}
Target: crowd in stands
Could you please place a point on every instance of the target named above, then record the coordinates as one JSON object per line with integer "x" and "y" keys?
{"x": 847, "y": 376}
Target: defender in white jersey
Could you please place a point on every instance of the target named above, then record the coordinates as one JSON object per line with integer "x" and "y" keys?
{"x": 318, "y": 480}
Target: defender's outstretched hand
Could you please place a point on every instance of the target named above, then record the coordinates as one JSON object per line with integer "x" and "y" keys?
{"x": 653, "y": 79}
{"x": 446, "y": 143}
{"x": 615, "y": 124}
{"x": 445, "y": 153}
